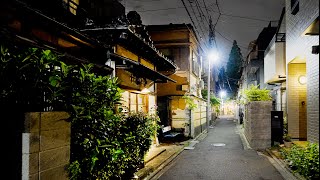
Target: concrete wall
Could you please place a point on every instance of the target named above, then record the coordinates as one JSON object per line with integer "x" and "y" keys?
{"x": 300, "y": 46}
{"x": 193, "y": 122}
{"x": 45, "y": 146}
{"x": 257, "y": 124}
{"x": 180, "y": 114}
{"x": 200, "y": 117}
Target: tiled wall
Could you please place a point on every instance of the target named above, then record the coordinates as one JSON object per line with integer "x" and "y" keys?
{"x": 300, "y": 46}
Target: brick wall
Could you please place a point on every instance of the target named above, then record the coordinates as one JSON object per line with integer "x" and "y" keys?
{"x": 257, "y": 125}
{"x": 45, "y": 146}
{"x": 300, "y": 46}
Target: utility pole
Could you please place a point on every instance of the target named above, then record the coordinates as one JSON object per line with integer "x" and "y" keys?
{"x": 211, "y": 40}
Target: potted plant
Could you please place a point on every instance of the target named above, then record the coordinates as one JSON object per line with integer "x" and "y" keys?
{"x": 287, "y": 140}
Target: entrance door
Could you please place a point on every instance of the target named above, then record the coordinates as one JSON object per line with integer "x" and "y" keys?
{"x": 163, "y": 110}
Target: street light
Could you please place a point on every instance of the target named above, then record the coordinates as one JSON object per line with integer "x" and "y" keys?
{"x": 212, "y": 56}
{"x": 222, "y": 94}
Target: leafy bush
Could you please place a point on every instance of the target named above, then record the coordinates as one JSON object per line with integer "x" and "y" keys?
{"x": 304, "y": 161}
{"x": 253, "y": 93}
{"x": 190, "y": 102}
{"x": 287, "y": 138}
{"x": 213, "y": 99}
{"x": 105, "y": 144}
{"x": 137, "y": 130}
{"x": 24, "y": 77}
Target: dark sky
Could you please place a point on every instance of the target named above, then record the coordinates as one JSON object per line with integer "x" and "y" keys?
{"x": 241, "y": 20}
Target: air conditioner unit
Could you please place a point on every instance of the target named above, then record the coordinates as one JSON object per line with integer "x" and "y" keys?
{"x": 185, "y": 87}
{"x": 201, "y": 84}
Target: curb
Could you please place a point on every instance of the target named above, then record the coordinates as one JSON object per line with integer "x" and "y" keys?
{"x": 156, "y": 172}
{"x": 282, "y": 167}
{"x": 161, "y": 167}
{"x": 243, "y": 138}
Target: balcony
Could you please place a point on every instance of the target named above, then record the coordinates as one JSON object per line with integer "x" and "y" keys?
{"x": 275, "y": 60}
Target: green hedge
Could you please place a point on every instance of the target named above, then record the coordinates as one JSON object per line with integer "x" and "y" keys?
{"x": 105, "y": 143}
{"x": 304, "y": 161}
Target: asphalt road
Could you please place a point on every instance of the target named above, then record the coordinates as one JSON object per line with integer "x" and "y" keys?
{"x": 209, "y": 162}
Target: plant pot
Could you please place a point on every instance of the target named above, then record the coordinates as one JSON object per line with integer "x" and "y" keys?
{"x": 287, "y": 144}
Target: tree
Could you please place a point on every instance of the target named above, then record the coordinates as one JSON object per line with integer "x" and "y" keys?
{"x": 222, "y": 80}
{"x": 233, "y": 69}
{"x": 134, "y": 18}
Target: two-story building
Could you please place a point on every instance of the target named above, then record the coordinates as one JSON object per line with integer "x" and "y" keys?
{"x": 275, "y": 66}
{"x": 180, "y": 43}
{"x": 253, "y": 70}
{"x": 293, "y": 65}
{"x": 83, "y": 31}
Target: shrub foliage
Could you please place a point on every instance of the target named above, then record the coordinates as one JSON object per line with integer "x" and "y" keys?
{"x": 304, "y": 161}
{"x": 105, "y": 143}
{"x": 253, "y": 93}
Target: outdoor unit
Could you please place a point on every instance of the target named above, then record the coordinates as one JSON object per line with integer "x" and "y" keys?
{"x": 201, "y": 84}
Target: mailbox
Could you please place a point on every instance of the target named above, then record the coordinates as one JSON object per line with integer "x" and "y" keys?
{"x": 276, "y": 127}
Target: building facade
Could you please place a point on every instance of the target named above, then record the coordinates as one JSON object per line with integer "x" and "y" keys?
{"x": 292, "y": 65}
{"x": 302, "y": 64}
{"x": 82, "y": 32}
{"x": 180, "y": 43}
{"x": 253, "y": 68}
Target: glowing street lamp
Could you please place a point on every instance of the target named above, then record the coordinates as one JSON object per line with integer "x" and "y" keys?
{"x": 212, "y": 56}
{"x": 222, "y": 93}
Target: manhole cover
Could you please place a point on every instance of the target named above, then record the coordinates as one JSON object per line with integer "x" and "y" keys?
{"x": 219, "y": 144}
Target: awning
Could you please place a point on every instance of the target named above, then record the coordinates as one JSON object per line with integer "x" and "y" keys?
{"x": 139, "y": 69}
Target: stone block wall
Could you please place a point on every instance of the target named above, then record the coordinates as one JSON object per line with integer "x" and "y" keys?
{"x": 257, "y": 125}
{"x": 45, "y": 146}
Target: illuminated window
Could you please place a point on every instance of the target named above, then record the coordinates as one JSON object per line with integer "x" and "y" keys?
{"x": 72, "y": 5}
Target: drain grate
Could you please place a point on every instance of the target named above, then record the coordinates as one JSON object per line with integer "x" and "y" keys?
{"x": 218, "y": 144}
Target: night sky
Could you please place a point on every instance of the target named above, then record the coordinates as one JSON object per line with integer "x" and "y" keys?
{"x": 254, "y": 15}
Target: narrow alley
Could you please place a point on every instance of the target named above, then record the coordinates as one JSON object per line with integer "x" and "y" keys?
{"x": 210, "y": 160}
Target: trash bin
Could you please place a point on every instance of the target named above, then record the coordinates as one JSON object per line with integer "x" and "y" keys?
{"x": 241, "y": 117}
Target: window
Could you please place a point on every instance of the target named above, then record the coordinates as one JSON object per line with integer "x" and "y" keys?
{"x": 294, "y": 7}
{"x": 138, "y": 102}
{"x": 168, "y": 53}
{"x": 72, "y": 5}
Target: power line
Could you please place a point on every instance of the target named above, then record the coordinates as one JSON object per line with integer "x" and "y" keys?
{"x": 222, "y": 14}
{"x": 229, "y": 39}
{"x": 206, "y": 8}
{"x": 195, "y": 27}
{"x": 200, "y": 10}
{"x": 197, "y": 19}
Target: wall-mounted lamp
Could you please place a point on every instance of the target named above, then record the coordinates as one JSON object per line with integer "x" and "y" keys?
{"x": 145, "y": 91}
{"x": 302, "y": 79}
